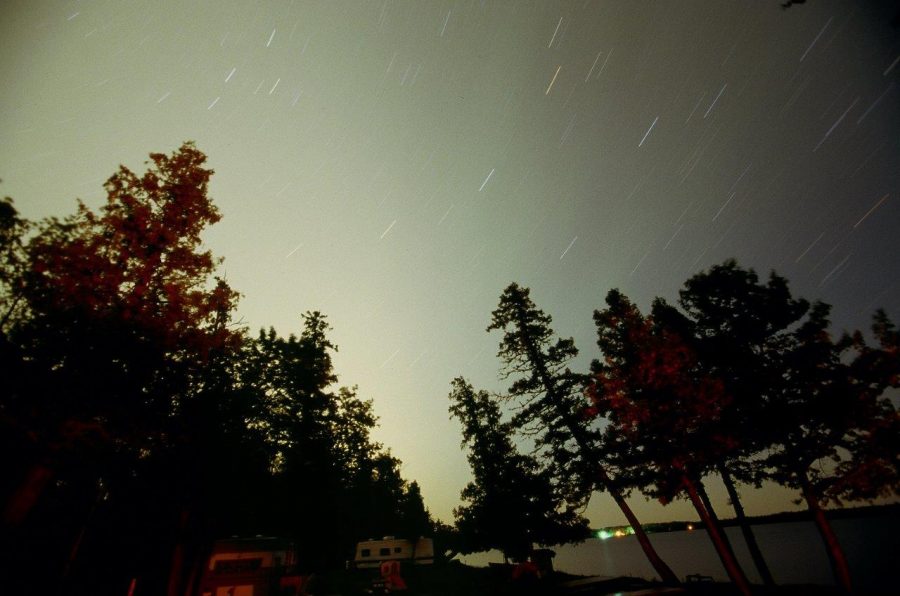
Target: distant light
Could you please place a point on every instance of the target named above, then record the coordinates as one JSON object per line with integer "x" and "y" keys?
{"x": 690, "y": 527}
{"x": 604, "y": 535}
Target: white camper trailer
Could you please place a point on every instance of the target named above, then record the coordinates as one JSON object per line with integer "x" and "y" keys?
{"x": 372, "y": 553}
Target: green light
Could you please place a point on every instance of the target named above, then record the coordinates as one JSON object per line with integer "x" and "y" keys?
{"x": 604, "y": 535}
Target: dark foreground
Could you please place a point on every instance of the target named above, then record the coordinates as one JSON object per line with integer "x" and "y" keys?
{"x": 460, "y": 580}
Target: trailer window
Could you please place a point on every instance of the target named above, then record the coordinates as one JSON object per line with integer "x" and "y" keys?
{"x": 384, "y": 551}
{"x": 397, "y": 549}
{"x": 366, "y": 552}
{"x": 237, "y": 565}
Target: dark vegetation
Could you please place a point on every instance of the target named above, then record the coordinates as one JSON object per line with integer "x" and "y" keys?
{"x": 138, "y": 421}
{"x": 740, "y": 382}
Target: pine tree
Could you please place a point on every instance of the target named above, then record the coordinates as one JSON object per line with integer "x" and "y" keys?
{"x": 553, "y": 405}
{"x": 511, "y": 504}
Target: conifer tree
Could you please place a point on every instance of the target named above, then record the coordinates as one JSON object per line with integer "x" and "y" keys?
{"x": 511, "y": 503}
{"x": 552, "y": 404}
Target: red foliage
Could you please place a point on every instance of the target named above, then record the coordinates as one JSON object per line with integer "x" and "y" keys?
{"x": 652, "y": 390}
{"x": 141, "y": 259}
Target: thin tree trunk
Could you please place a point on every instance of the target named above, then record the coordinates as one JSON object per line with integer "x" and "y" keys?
{"x": 732, "y": 568}
{"x": 190, "y": 586}
{"x": 76, "y": 546}
{"x": 578, "y": 433}
{"x": 176, "y": 571}
{"x": 749, "y": 537}
{"x": 665, "y": 572}
{"x": 704, "y": 497}
{"x": 832, "y": 546}
{"x": 25, "y": 497}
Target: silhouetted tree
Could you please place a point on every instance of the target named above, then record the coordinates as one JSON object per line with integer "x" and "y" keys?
{"x": 553, "y": 405}
{"x": 113, "y": 314}
{"x": 511, "y": 504}
{"x": 872, "y": 468}
{"x": 137, "y": 424}
{"x": 14, "y": 432}
{"x": 738, "y": 327}
{"x": 661, "y": 409}
{"x": 332, "y": 484}
{"x": 802, "y": 409}
{"x": 833, "y": 421}
{"x": 13, "y": 264}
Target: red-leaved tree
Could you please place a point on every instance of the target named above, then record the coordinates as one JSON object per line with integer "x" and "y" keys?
{"x": 123, "y": 307}
{"x": 661, "y": 409}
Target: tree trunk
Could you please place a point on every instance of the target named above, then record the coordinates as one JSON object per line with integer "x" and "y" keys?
{"x": 746, "y": 530}
{"x": 538, "y": 361}
{"x": 76, "y": 546}
{"x": 832, "y": 546}
{"x": 190, "y": 586}
{"x": 176, "y": 571}
{"x": 704, "y": 497}
{"x": 732, "y": 568}
{"x": 24, "y": 498}
{"x": 665, "y": 572}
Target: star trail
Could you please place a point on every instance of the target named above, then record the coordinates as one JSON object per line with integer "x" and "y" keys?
{"x": 426, "y": 154}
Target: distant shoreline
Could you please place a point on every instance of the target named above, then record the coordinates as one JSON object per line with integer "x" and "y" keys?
{"x": 772, "y": 518}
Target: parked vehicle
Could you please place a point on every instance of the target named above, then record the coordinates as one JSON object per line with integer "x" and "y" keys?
{"x": 372, "y": 553}
{"x": 260, "y": 566}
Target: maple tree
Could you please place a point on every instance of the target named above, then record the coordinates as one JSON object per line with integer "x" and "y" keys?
{"x": 141, "y": 258}
{"x": 660, "y": 408}
{"x": 872, "y": 469}
{"x": 738, "y": 325}
{"x": 798, "y": 407}
{"x": 122, "y": 305}
{"x": 833, "y": 425}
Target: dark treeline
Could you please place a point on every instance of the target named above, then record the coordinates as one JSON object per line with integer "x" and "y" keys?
{"x": 739, "y": 383}
{"x": 139, "y": 422}
{"x": 803, "y": 515}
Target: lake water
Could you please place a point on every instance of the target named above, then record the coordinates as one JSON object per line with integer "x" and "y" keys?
{"x": 794, "y": 552}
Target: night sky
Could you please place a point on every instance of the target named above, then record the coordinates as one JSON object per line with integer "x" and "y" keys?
{"x": 397, "y": 164}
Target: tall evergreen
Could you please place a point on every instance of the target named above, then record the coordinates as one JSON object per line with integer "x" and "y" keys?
{"x": 554, "y": 407}
{"x": 511, "y": 504}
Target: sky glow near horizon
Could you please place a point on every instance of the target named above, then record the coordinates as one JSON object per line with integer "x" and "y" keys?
{"x": 397, "y": 164}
